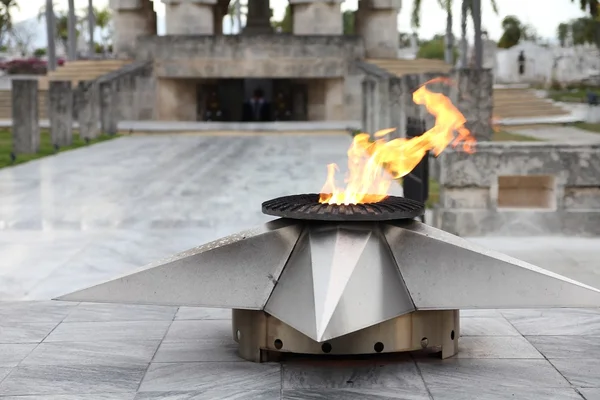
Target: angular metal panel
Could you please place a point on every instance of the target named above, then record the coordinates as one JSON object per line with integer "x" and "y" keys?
{"x": 238, "y": 271}
{"x": 443, "y": 271}
{"x": 339, "y": 279}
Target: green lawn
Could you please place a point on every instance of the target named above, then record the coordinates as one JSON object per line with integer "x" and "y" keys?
{"x": 503, "y": 136}
{"x": 587, "y": 127}
{"x": 571, "y": 96}
{"x": 46, "y": 147}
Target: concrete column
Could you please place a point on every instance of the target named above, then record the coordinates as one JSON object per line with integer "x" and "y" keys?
{"x": 317, "y": 17}
{"x": 190, "y": 17}
{"x": 89, "y": 110}
{"x": 369, "y": 105}
{"x": 60, "y": 112}
{"x": 377, "y": 23}
{"x": 132, "y": 19}
{"x": 473, "y": 96}
{"x": 259, "y": 17}
{"x": 25, "y": 117}
{"x": 109, "y": 92}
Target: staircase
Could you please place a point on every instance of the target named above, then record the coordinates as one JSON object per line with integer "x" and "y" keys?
{"x": 74, "y": 71}
{"x": 508, "y": 103}
{"x": 524, "y": 103}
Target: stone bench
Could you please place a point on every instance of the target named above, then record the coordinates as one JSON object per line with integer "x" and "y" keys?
{"x": 519, "y": 189}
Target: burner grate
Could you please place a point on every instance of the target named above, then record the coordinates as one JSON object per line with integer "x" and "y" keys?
{"x": 307, "y": 207}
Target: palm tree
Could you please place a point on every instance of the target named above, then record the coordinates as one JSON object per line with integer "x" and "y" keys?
{"x": 467, "y": 7}
{"x": 6, "y": 9}
{"x": 471, "y": 7}
{"x": 62, "y": 25}
{"x": 447, "y": 6}
{"x": 593, "y": 7}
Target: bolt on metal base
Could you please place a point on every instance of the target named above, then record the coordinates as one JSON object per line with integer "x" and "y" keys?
{"x": 262, "y": 337}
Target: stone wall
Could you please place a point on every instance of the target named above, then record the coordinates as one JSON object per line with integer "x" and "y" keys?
{"x": 255, "y": 56}
{"x": 519, "y": 188}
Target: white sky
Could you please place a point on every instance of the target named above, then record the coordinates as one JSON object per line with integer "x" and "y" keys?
{"x": 545, "y": 19}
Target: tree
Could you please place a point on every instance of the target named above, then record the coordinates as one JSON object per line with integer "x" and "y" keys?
{"x": 349, "y": 21}
{"x": 62, "y": 25}
{"x": 6, "y": 22}
{"x": 514, "y": 32}
{"x": 562, "y": 32}
{"x": 103, "y": 19}
{"x": 23, "y": 36}
{"x": 467, "y": 7}
{"x": 286, "y": 24}
{"x": 593, "y": 8}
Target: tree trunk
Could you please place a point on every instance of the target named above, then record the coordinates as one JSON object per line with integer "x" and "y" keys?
{"x": 449, "y": 53}
{"x": 464, "y": 45}
{"x": 51, "y": 32}
{"x": 478, "y": 45}
{"x": 91, "y": 20}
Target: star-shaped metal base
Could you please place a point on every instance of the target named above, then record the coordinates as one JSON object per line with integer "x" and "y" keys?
{"x": 330, "y": 279}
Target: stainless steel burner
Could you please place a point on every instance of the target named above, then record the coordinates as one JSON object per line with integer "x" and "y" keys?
{"x": 307, "y": 207}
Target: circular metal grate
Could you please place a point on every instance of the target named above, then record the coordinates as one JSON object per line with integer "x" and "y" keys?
{"x": 307, "y": 207}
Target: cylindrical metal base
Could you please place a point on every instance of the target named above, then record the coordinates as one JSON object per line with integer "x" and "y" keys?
{"x": 261, "y": 336}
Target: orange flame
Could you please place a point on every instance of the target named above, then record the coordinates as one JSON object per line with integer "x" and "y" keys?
{"x": 374, "y": 163}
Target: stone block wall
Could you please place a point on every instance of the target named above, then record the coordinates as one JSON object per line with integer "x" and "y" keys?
{"x": 519, "y": 189}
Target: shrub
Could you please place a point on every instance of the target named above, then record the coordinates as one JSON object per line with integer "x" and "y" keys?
{"x": 28, "y": 66}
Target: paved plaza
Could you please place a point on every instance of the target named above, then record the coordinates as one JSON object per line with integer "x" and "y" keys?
{"x": 84, "y": 216}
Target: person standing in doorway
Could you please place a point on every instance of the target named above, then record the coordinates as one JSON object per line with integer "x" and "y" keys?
{"x": 257, "y": 109}
{"x": 521, "y": 60}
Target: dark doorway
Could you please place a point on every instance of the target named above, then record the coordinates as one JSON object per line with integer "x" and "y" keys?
{"x": 231, "y": 100}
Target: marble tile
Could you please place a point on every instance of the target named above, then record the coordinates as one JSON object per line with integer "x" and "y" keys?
{"x": 355, "y": 394}
{"x": 4, "y": 372}
{"x": 109, "y": 331}
{"x": 478, "y": 326}
{"x": 199, "y": 350}
{"x": 555, "y": 322}
{"x": 97, "y": 396}
{"x": 25, "y": 332}
{"x": 496, "y": 347}
{"x": 183, "y": 331}
{"x": 213, "y": 394}
{"x": 491, "y": 373}
{"x": 580, "y": 372}
{"x": 203, "y": 313}
{"x": 567, "y": 346}
{"x": 93, "y": 353}
{"x": 354, "y": 374}
{"x": 211, "y": 376}
{"x": 462, "y": 392}
{"x": 480, "y": 313}
{"x": 65, "y": 379}
{"x": 13, "y": 354}
{"x": 87, "y": 312}
{"x": 590, "y": 393}
{"x": 35, "y": 311}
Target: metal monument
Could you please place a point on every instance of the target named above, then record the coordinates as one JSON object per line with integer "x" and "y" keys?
{"x": 343, "y": 279}
{"x": 350, "y": 270}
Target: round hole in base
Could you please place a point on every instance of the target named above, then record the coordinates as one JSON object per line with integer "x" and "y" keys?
{"x": 378, "y": 347}
{"x": 452, "y": 335}
{"x": 326, "y": 347}
{"x": 424, "y": 342}
{"x": 238, "y": 334}
{"x": 278, "y": 344}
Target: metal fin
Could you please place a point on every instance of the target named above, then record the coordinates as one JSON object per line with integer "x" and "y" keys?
{"x": 443, "y": 271}
{"x": 238, "y": 271}
{"x": 339, "y": 279}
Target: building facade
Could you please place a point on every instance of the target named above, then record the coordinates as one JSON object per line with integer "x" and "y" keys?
{"x": 201, "y": 74}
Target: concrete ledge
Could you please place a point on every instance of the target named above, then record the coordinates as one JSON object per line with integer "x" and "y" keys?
{"x": 519, "y": 188}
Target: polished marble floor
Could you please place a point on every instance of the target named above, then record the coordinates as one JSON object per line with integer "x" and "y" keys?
{"x": 81, "y": 217}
